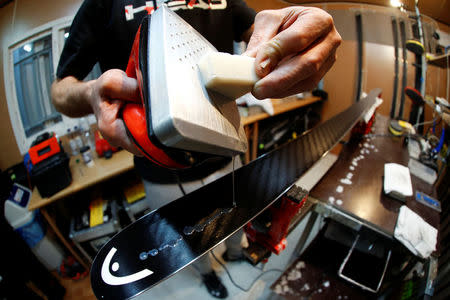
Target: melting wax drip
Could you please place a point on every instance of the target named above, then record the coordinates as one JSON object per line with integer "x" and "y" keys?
{"x": 154, "y": 252}
{"x": 188, "y": 230}
{"x": 232, "y": 179}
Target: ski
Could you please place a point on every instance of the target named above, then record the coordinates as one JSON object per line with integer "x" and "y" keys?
{"x": 163, "y": 242}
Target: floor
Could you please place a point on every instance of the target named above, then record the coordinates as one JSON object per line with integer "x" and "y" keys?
{"x": 79, "y": 289}
{"x": 187, "y": 284}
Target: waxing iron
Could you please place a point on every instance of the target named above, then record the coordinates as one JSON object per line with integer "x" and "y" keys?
{"x": 187, "y": 112}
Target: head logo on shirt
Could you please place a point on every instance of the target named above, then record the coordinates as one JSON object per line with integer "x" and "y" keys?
{"x": 174, "y": 5}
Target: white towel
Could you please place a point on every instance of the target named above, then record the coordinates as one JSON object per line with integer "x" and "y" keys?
{"x": 250, "y": 100}
{"x": 397, "y": 180}
{"x": 416, "y": 234}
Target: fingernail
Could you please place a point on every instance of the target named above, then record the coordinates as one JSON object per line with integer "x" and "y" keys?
{"x": 257, "y": 90}
{"x": 265, "y": 63}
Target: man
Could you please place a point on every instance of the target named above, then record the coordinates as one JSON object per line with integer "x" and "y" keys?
{"x": 294, "y": 47}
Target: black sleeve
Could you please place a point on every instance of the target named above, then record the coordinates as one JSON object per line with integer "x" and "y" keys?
{"x": 80, "y": 50}
{"x": 243, "y": 18}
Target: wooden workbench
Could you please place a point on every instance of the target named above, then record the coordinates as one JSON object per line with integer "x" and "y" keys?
{"x": 364, "y": 198}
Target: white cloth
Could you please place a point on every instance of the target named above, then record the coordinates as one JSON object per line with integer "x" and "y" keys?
{"x": 397, "y": 180}
{"x": 416, "y": 234}
{"x": 250, "y": 100}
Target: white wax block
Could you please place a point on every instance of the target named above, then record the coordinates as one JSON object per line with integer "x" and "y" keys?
{"x": 230, "y": 75}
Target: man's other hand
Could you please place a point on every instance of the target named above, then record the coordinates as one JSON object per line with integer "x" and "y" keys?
{"x": 294, "y": 48}
{"x": 108, "y": 94}
{"x": 104, "y": 97}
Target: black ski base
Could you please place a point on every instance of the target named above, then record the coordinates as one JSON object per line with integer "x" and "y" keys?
{"x": 168, "y": 239}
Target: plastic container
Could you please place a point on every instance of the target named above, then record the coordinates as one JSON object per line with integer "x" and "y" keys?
{"x": 52, "y": 175}
{"x": 87, "y": 156}
{"x": 87, "y": 135}
{"x": 29, "y": 226}
{"x": 77, "y": 137}
{"x": 72, "y": 143}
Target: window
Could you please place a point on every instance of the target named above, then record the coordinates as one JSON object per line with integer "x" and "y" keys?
{"x": 29, "y": 73}
{"x": 33, "y": 75}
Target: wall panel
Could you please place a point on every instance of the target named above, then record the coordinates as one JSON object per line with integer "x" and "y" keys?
{"x": 379, "y": 62}
{"x": 341, "y": 89}
{"x": 8, "y": 148}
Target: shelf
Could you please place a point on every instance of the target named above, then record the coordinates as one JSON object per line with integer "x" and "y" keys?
{"x": 280, "y": 106}
{"x": 84, "y": 176}
{"x": 439, "y": 60}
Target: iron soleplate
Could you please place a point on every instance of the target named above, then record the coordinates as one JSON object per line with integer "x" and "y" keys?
{"x": 184, "y": 114}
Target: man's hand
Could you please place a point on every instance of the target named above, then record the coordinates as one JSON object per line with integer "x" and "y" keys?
{"x": 108, "y": 94}
{"x": 104, "y": 97}
{"x": 294, "y": 48}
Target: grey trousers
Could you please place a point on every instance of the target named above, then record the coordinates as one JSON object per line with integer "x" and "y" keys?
{"x": 158, "y": 195}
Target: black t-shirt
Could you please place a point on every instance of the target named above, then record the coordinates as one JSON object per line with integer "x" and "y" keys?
{"x": 103, "y": 31}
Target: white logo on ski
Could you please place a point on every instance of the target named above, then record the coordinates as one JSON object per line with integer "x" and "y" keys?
{"x": 114, "y": 280}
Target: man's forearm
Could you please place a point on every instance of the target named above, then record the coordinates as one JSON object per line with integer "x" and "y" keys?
{"x": 70, "y": 96}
